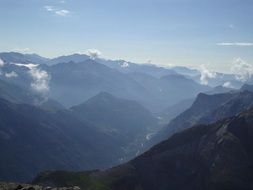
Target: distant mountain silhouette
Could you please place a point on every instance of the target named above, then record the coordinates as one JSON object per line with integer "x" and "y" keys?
{"x": 68, "y": 58}
{"x": 22, "y": 58}
{"x": 76, "y": 78}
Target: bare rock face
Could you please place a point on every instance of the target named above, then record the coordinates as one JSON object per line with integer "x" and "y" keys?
{"x": 16, "y": 186}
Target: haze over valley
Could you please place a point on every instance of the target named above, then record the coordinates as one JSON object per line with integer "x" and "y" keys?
{"x": 126, "y": 95}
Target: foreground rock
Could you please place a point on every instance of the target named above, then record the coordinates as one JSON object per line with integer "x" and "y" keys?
{"x": 16, "y": 186}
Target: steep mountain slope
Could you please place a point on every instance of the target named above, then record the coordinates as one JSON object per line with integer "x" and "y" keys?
{"x": 125, "y": 120}
{"x": 172, "y": 111}
{"x": 207, "y": 109}
{"x": 218, "y": 156}
{"x": 128, "y": 67}
{"x": 68, "y": 58}
{"x": 185, "y": 71}
{"x": 33, "y": 140}
{"x": 175, "y": 86}
{"x": 169, "y": 89}
{"x": 16, "y": 94}
{"x": 220, "y": 79}
{"x": 25, "y": 74}
{"x": 220, "y": 90}
{"x": 112, "y": 113}
{"x": 248, "y": 87}
{"x": 73, "y": 83}
{"x": 22, "y": 58}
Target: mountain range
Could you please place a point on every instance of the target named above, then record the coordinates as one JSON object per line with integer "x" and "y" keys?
{"x": 207, "y": 109}
{"x": 217, "y": 156}
{"x": 113, "y": 124}
{"x": 36, "y": 137}
{"x": 74, "y": 79}
{"x": 33, "y": 140}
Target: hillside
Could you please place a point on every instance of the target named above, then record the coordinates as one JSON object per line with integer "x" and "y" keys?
{"x": 37, "y": 140}
{"x": 218, "y": 156}
{"x": 207, "y": 109}
{"x": 127, "y": 121}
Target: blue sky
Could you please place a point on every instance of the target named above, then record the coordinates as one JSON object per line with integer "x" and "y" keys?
{"x": 178, "y": 32}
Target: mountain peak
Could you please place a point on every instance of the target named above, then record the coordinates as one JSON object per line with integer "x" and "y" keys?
{"x": 68, "y": 58}
{"x": 174, "y": 76}
{"x": 104, "y": 94}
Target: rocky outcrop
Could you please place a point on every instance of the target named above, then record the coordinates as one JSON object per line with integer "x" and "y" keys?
{"x": 16, "y": 186}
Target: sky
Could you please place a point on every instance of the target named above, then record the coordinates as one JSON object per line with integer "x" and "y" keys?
{"x": 165, "y": 32}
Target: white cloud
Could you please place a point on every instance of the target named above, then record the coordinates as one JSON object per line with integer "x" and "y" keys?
{"x": 40, "y": 77}
{"x": 22, "y": 50}
{"x": 29, "y": 66}
{"x": 1, "y": 63}
{"x": 94, "y": 53}
{"x": 228, "y": 85}
{"x": 11, "y": 74}
{"x": 41, "y": 80}
{"x": 242, "y": 69}
{"x": 62, "y": 12}
{"x": 125, "y": 65}
{"x": 56, "y": 11}
{"x": 235, "y": 44}
{"x": 49, "y": 8}
{"x": 206, "y": 75}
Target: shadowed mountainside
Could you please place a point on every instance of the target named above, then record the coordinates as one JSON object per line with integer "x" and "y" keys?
{"x": 207, "y": 109}
{"x": 218, "y": 156}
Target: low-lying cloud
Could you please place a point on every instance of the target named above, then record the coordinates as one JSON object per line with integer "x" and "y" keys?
{"x": 41, "y": 78}
{"x": 1, "y": 63}
{"x": 29, "y": 65}
{"x": 125, "y": 65}
{"x": 235, "y": 44}
{"x": 242, "y": 70}
{"x": 228, "y": 85}
{"x": 206, "y": 75}
{"x": 94, "y": 53}
{"x": 11, "y": 74}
